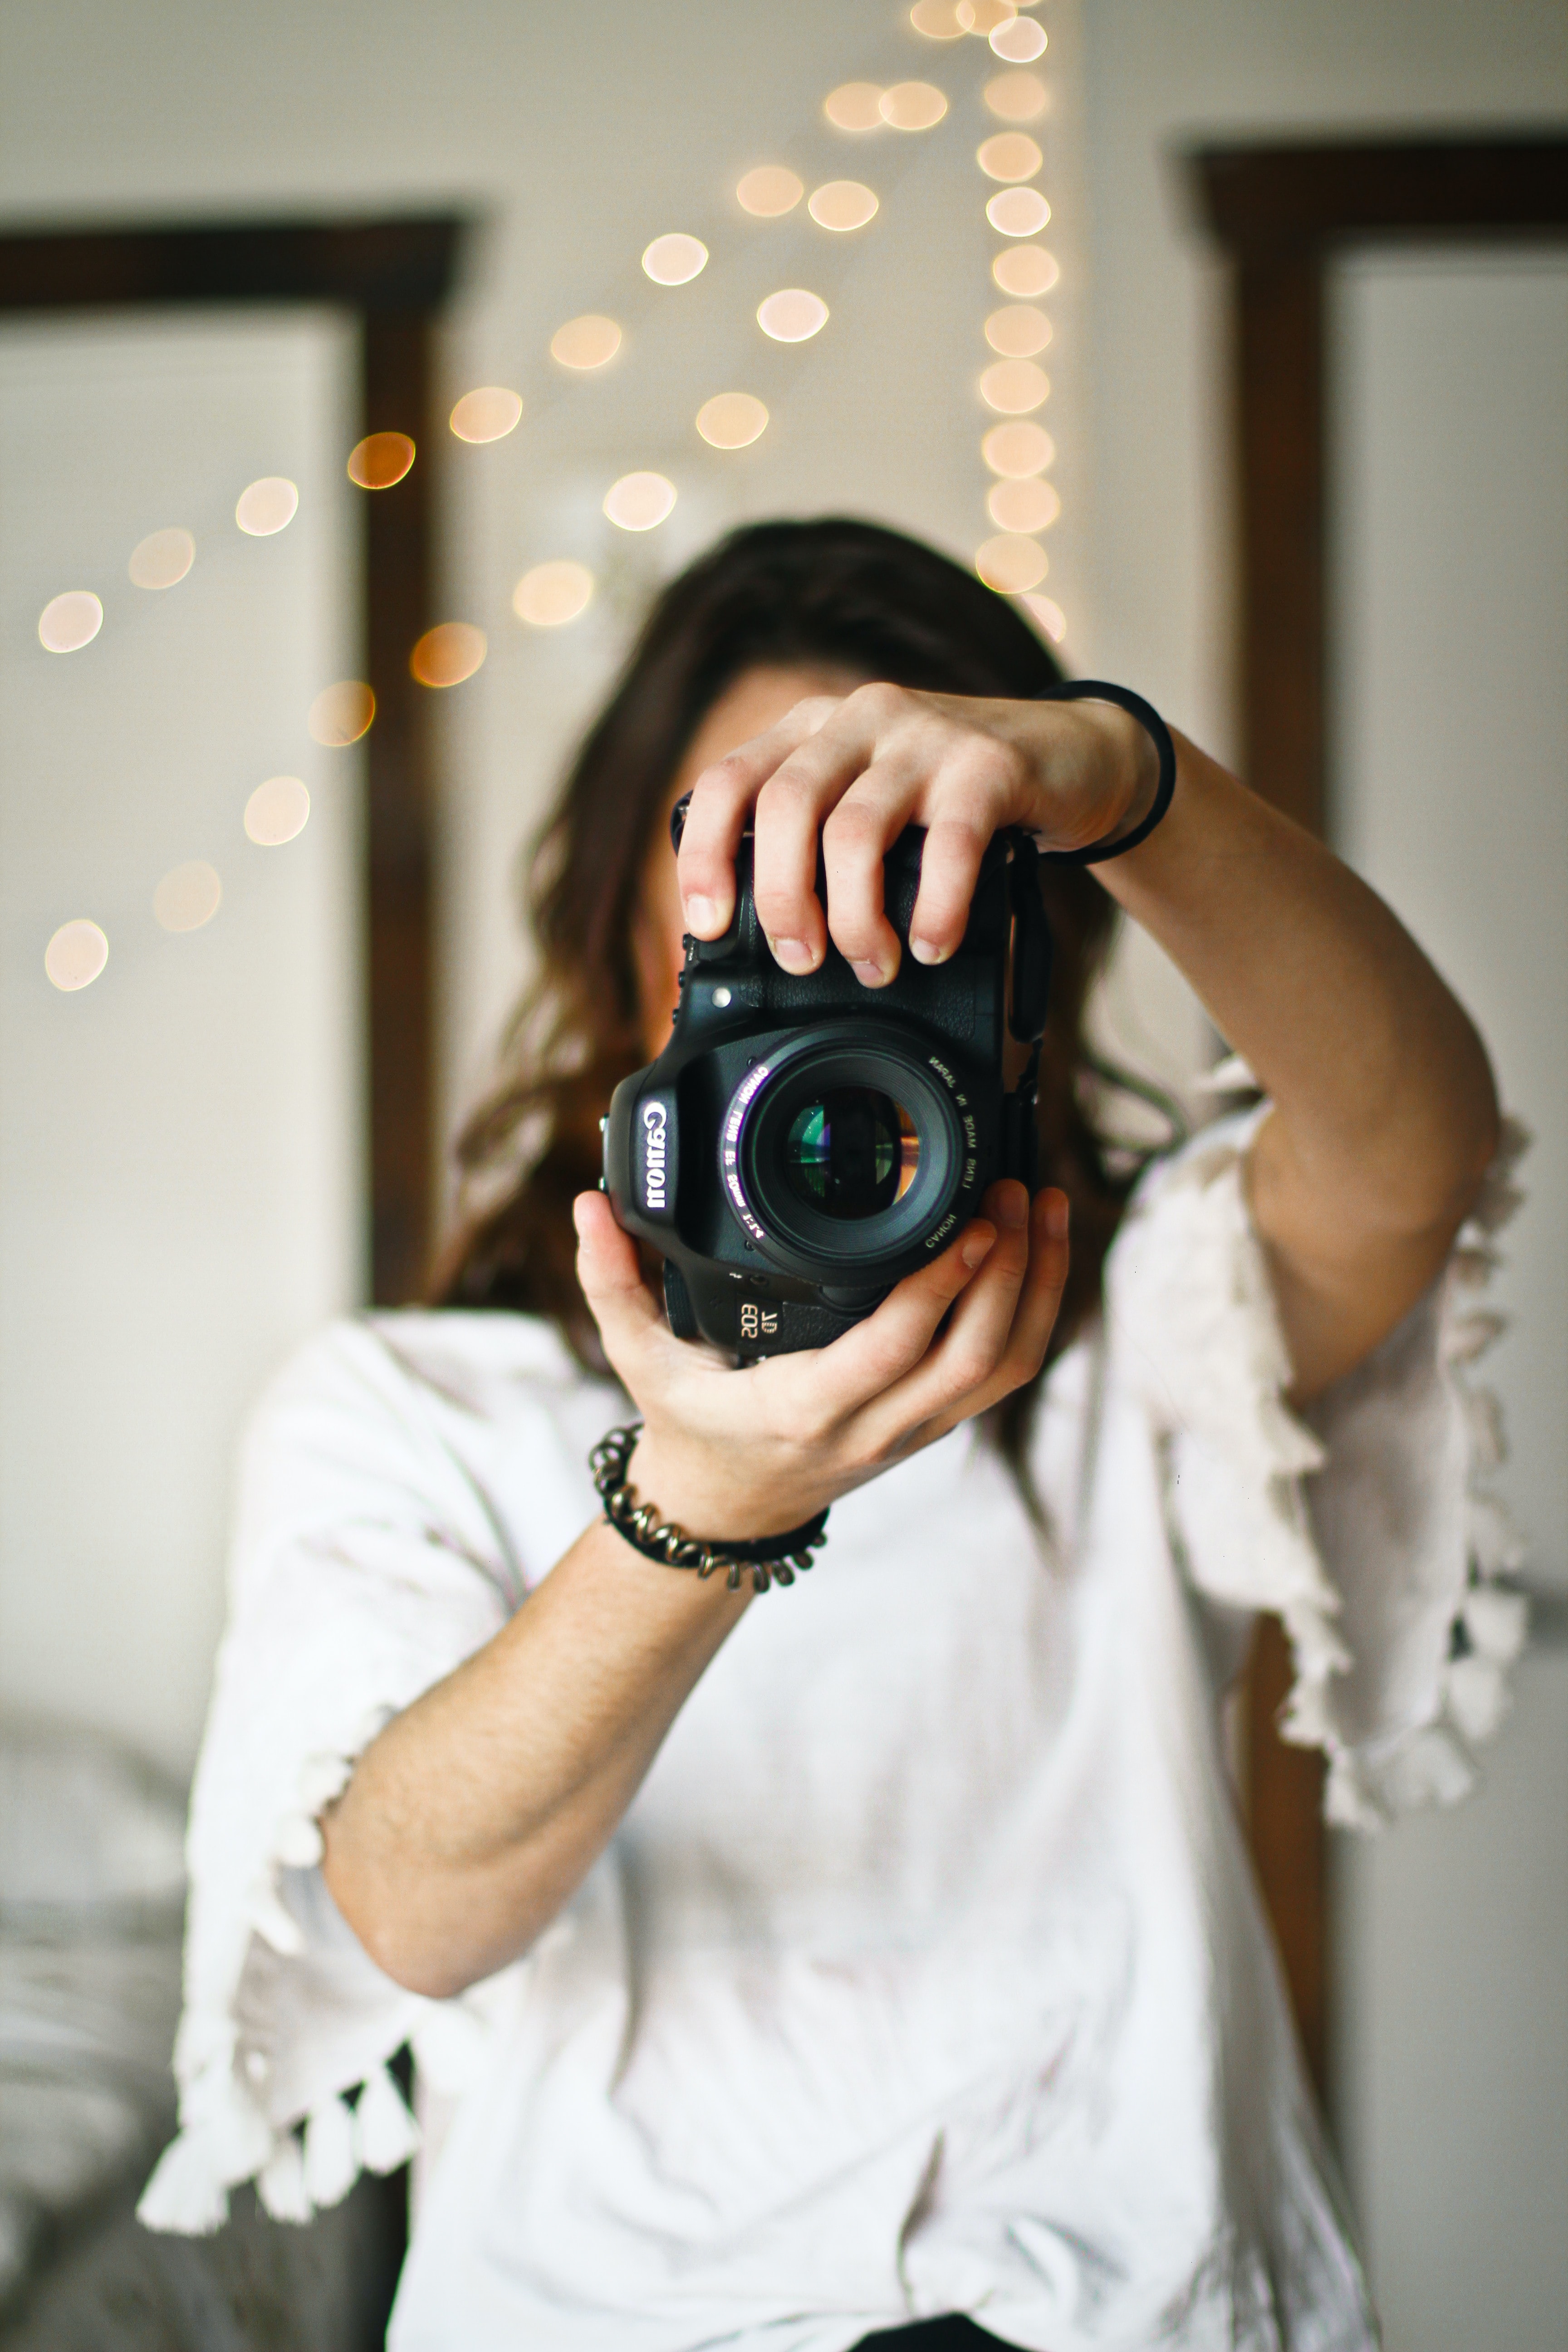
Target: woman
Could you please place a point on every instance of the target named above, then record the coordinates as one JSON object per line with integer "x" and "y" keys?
{"x": 782, "y": 1972}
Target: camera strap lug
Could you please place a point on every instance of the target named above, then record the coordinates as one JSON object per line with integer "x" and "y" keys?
{"x": 1031, "y": 967}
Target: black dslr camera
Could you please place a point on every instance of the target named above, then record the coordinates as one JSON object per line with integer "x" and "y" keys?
{"x": 802, "y": 1143}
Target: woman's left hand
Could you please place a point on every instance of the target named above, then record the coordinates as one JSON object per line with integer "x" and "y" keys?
{"x": 856, "y": 769}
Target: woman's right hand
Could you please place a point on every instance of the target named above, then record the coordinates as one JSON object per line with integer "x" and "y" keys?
{"x": 749, "y": 1453}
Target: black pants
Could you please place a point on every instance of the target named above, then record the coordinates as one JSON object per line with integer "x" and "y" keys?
{"x": 953, "y": 2334}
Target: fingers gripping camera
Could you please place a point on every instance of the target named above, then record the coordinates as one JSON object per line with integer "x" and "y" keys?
{"x": 802, "y": 1144}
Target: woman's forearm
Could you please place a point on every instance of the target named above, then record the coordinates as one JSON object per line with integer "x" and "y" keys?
{"x": 475, "y": 1816}
{"x": 1385, "y": 1114}
{"x": 478, "y": 1812}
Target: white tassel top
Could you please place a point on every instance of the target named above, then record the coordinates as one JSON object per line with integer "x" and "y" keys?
{"x": 925, "y": 1973}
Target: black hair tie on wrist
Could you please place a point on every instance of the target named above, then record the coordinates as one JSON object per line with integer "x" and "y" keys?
{"x": 1095, "y": 689}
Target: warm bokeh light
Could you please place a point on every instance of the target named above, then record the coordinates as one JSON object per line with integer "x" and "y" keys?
{"x": 1022, "y": 506}
{"x": 770, "y": 190}
{"x": 76, "y": 955}
{"x": 1017, "y": 97}
{"x": 1011, "y": 564}
{"x": 640, "y": 501}
{"x": 340, "y": 714}
{"x": 162, "y": 559}
{"x": 590, "y": 341}
{"x": 732, "y": 420}
{"x": 1049, "y": 615}
{"x": 1014, "y": 387}
{"x": 448, "y": 654}
{"x": 553, "y": 594}
{"x": 1020, "y": 41}
{"x": 277, "y": 811}
{"x": 1028, "y": 271}
{"x": 1018, "y": 212}
{"x": 487, "y": 414}
{"x": 841, "y": 204}
{"x": 854, "y": 106}
{"x": 188, "y": 897}
{"x": 1009, "y": 155}
{"x": 792, "y": 315}
{"x": 913, "y": 105}
{"x": 1018, "y": 331}
{"x": 380, "y": 461}
{"x": 1017, "y": 450}
{"x": 937, "y": 19}
{"x": 268, "y": 506}
{"x": 675, "y": 260}
{"x": 70, "y": 621}
{"x": 983, "y": 17}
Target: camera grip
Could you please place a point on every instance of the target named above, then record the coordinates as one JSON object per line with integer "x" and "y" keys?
{"x": 678, "y": 1303}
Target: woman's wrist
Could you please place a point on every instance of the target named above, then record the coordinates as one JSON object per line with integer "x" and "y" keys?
{"x": 1213, "y": 816}
{"x": 1134, "y": 762}
{"x": 1096, "y": 769}
{"x": 764, "y": 1559}
{"x": 686, "y": 1485}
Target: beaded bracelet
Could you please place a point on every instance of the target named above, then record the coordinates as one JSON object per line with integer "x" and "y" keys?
{"x": 773, "y": 1560}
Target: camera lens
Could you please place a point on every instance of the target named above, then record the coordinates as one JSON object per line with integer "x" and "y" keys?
{"x": 845, "y": 1152}
{"x": 852, "y": 1151}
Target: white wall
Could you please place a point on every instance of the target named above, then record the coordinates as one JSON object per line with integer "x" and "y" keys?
{"x": 180, "y": 1177}
{"x": 1451, "y": 592}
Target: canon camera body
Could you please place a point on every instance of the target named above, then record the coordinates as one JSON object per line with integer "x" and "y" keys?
{"x": 802, "y": 1143}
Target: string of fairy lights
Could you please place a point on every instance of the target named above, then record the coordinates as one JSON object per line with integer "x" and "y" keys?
{"x": 1020, "y": 503}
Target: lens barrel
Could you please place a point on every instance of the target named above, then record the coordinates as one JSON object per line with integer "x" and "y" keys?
{"x": 847, "y": 1150}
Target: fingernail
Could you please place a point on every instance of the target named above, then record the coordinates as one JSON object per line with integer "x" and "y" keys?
{"x": 700, "y": 914}
{"x": 1012, "y": 1205}
{"x": 926, "y": 951}
{"x": 869, "y": 975}
{"x": 1056, "y": 1216}
{"x": 977, "y": 1246}
{"x": 793, "y": 954}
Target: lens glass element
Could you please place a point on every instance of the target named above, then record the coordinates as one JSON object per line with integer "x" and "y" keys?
{"x": 851, "y": 1151}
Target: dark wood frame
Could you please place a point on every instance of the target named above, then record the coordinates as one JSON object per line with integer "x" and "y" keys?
{"x": 1283, "y": 213}
{"x": 394, "y": 276}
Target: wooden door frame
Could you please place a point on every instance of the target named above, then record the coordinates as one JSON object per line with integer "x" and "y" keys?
{"x": 1283, "y": 213}
{"x": 393, "y": 276}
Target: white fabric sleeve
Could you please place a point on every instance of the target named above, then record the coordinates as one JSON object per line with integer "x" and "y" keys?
{"x": 1369, "y": 1526}
{"x": 365, "y": 1567}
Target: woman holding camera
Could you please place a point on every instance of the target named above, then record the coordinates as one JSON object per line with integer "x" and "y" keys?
{"x": 879, "y": 1955}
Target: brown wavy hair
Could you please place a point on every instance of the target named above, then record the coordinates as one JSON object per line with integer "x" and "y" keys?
{"x": 773, "y": 595}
